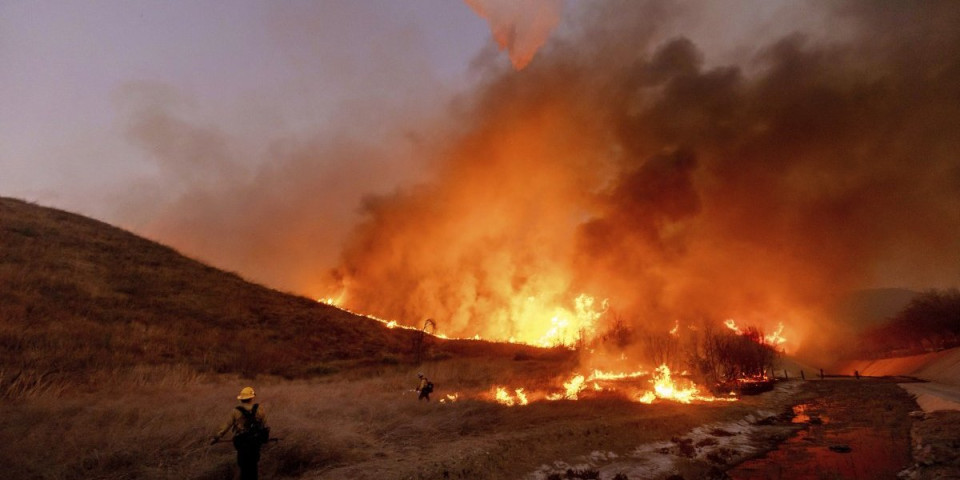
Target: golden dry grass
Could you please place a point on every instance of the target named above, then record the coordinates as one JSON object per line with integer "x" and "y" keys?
{"x": 79, "y": 297}
{"x": 154, "y": 423}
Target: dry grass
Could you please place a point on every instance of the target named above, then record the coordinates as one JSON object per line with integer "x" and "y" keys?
{"x": 153, "y": 423}
{"x": 78, "y": 297}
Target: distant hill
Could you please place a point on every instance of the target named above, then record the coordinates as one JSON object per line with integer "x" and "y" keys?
{"x": 78, "y": 295}
{"x": 864, "y": 309}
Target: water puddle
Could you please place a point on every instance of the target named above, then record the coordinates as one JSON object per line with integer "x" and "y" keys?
{"x": 809, "y": 413}
{"x": 825, "y": 448}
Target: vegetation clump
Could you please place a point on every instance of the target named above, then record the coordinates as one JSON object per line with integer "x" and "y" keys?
{"x": 930, "y": 322}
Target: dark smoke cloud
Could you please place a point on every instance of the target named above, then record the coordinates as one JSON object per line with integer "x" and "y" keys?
{"x": 622, "y": 164}
{"x": 627, "y": 162}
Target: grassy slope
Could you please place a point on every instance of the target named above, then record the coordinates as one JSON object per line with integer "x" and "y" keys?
{"x": 340, "y": 426}
{"x": 80, "y": 296}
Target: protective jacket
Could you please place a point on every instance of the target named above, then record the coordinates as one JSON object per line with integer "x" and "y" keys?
{"x": 237, "y": 423}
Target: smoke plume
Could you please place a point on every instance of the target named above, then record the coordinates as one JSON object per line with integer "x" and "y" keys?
{"x": 634, "y": 167}
{"x": 621, "y": 165}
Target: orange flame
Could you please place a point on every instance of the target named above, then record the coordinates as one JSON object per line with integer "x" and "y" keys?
{"x": 450, "y": 398}
{"x": 732, "y": 325}
{"x": 572, "y": 389}
{"x": 601, "y": 375}
{"x": 775, "y": 339}
{"x": 502, "y": 396}
{"x": 545, "y": 325}
{"x": 665, "y": 388}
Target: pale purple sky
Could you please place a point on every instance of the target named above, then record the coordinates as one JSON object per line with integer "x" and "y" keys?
{"x": 65, "y": 64}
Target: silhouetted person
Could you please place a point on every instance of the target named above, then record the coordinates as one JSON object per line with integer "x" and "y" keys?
{"x": 856, "y": 373}
{"x": 425, "y": 387}
{"x": 821, "y": 374}
{"x": 802, "y": 376}
{"x": 250, "y": 432}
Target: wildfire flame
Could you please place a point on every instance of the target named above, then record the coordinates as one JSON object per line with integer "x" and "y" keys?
{"x": 664, "y": 387}
{"x": 600, "y": 375}
{"x": 564, "y": 322}
{"x": 450, "y": 398}
{"x": 732, "y": 325}
{"x": 775, "y": 339}
{"x": 501, "y": 395}
{"x": 582, "y": 320}
{"x": 333, "y": 302}
{"x": 548, "y": 326}
{"x": 571, "y": 389}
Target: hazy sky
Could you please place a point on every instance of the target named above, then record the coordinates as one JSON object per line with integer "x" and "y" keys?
{"x": 256, "y": 71}
{"x": 251, "y": 69}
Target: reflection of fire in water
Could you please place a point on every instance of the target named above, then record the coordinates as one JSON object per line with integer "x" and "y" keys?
{"x": 807, "y": 413}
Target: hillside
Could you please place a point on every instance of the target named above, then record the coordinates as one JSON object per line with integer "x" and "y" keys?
{"x": 78, "y": 295}
{"x": 864, "y": 309}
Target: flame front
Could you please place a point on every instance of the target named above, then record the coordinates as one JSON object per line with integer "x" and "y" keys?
{"x": 775, "y": 339}
{"x": 502, "y": 396}
{"x": 664, "y": 387}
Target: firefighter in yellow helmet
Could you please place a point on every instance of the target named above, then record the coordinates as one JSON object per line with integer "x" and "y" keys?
{"x": 249, "y": 426}
{"x": 425, "y": 387}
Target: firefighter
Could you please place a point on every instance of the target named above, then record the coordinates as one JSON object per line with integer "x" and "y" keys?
{"x": 425, "y": 387}
{"x": 250, "y": 432}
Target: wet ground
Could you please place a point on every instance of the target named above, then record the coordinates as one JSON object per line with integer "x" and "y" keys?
{"x": 838, "y": 428}
{"x": 936, "y": 446}
{"x": 849, "y": 429}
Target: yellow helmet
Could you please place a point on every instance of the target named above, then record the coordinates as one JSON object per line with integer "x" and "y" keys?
{"x": 246, "y": 394}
